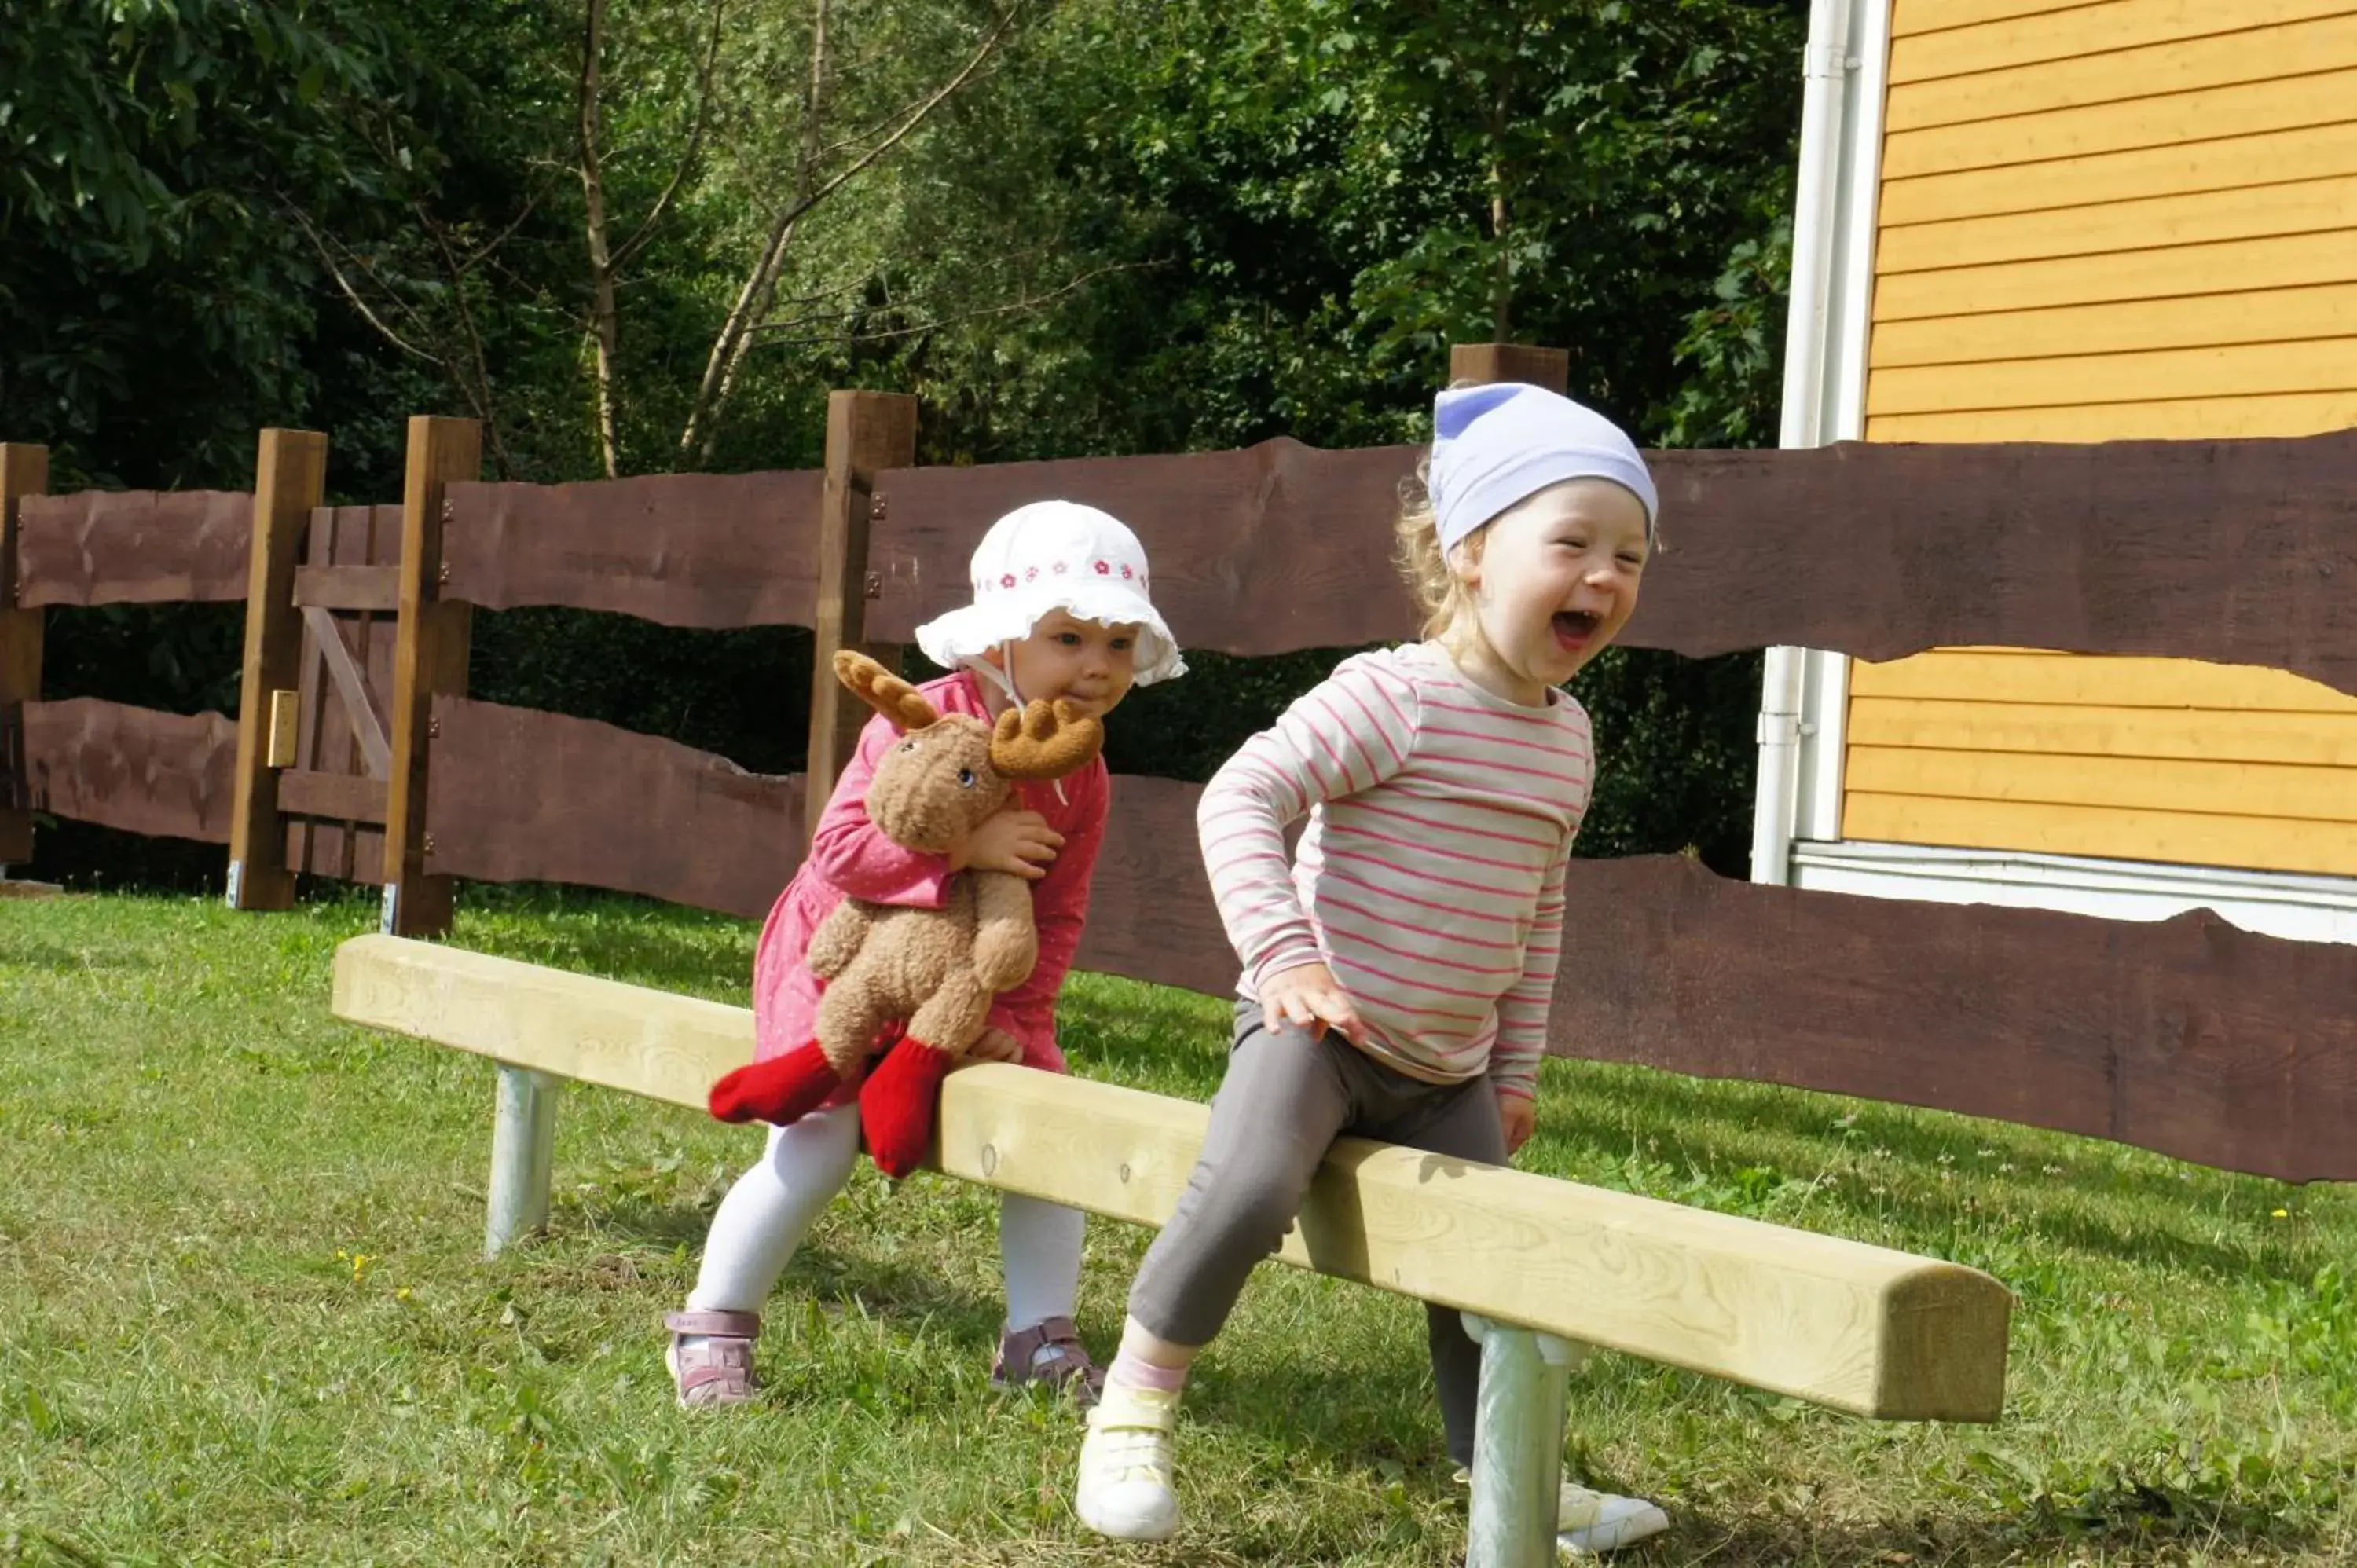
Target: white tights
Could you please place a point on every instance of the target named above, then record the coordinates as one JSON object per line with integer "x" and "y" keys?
{"x": 772, "y": 1206}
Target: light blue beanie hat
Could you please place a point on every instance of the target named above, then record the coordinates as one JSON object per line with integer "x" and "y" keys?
{"x": 1500, "y": 443}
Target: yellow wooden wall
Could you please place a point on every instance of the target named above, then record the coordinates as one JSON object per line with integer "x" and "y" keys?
{"x": 2133, "y": 218}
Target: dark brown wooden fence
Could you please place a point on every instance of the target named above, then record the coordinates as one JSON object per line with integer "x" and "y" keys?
{"x": 519, "y": 795}
{"x": 515, "y": 794}
{"x": 129, "y": 768}
{"x": 2235, "y": 552}
{"x": 2187, "y": 1036}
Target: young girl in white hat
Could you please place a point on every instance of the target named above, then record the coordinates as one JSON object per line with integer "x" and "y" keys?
{"x": 1060, "y": 610}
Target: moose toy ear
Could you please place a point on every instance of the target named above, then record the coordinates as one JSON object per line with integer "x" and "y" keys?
{"x": 883, "y": 692}
{"x": 1043, "y": 741}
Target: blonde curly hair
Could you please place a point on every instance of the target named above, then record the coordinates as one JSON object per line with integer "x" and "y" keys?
{"x": 1432, "y": 582}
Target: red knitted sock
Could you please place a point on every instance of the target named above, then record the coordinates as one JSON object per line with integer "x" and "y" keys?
{"x": 897, "y": 1105}
{"x": 781, "y": 1090}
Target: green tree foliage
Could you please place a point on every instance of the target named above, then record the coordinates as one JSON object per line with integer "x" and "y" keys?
{"x": 149, "y": 292}
{"x": 1293, "y": 207}
{"x": 633, "y": 235}
{"x": 1300, "y": 203}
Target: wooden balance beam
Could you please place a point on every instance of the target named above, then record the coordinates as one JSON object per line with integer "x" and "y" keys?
{"x": 1857, "y": 1328}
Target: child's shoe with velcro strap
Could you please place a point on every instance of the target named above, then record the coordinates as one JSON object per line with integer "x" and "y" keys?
{"x": 1128, "y": 1466}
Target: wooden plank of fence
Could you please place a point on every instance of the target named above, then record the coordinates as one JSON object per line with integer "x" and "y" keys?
{"x": 1274, "y": 548}
{"x": 691, "y": 550}
{"x": 376, "y": 589}
{"x": 2235, "y": 552}
{"x": 351, "y": 680}
{"x": 516, "y": 794}
{"x": 24, "y": 473}
{"x": 136, "y": 769}
{"x": 1840, "y": 1323}
{"x": 112, "y": 547}
{"x": 865, "y": 433}
{"x": 290, "y": 475}
{"x": 279, "y": 747}
{"x": 1150, "y": 912}
{"x": 429, "y": 660}
{"x": 349, "y": 799}
{"x": 2187, "y": 1036}
{"x": 323, "y": 741}
{"x": 377, "y": 637}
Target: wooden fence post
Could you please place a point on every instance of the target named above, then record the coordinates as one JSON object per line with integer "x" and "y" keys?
{"x": 23, "y": 471}
{"x": 867, "y": 432}
{"x": 1548, "y": 368}
{"x": 290, "y": 477}
{"x": 429, "y": 659}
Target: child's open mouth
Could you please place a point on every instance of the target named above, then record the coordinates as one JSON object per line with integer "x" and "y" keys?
{"x": 1575, "y": 628}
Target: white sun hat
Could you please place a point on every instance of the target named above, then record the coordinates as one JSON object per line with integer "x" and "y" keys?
{"x": 1054, "y": 555}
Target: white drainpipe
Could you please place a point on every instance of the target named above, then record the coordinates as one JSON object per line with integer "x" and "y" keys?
{"x": 1806, "y": 339}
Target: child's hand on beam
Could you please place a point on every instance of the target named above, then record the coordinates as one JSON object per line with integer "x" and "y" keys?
{"x": 1518, "y": 1117}
{"x": 1306, "y": 998}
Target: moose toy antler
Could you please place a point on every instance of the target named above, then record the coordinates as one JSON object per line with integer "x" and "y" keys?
{"x": 933, "y": 972}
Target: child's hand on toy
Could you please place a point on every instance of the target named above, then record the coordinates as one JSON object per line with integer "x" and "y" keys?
{"x": 1518, "y": 1115}
{"x": 1306, "y": 997}
{"x": 1020, "y": 843}
{"x": 995, "y": 1044}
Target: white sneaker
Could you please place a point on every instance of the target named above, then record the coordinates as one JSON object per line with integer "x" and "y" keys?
{"x": 1127, "y": 1465}
{"x": 1588, "y": 1522}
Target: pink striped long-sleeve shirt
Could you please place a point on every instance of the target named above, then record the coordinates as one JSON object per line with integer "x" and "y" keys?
{"x": 1430, "y": 878}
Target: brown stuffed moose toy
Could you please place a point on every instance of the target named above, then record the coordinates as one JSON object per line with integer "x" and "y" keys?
{"x": 928, "y": 975}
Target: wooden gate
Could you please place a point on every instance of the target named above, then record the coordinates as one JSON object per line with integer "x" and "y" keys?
{"x": 334, "y": 723}
{"x": 329, "y": 735}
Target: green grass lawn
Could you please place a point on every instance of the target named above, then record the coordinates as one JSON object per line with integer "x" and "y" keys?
{"x": 244, "y": 1316}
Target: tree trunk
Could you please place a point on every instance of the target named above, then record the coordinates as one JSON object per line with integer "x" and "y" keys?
{"x": 735, "y": 340}
{"x": 1502, "y": 283}
{"x": 605, "y": 324}
{"x": 1502, "y": 279}
{"x": 753, "y": 301}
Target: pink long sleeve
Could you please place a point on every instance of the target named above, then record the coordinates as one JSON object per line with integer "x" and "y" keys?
{"x": 1348, "y": 734}
{"x": 852, "y": 853}
{"x": 1523, "y": 1012}
{"x": 1059, "y": 909}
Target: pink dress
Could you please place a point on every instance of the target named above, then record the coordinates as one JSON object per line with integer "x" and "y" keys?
{"x": 849, "y": 857}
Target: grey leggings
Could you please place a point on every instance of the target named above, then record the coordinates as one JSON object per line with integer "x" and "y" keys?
{"x": 1285, "y": 1099}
